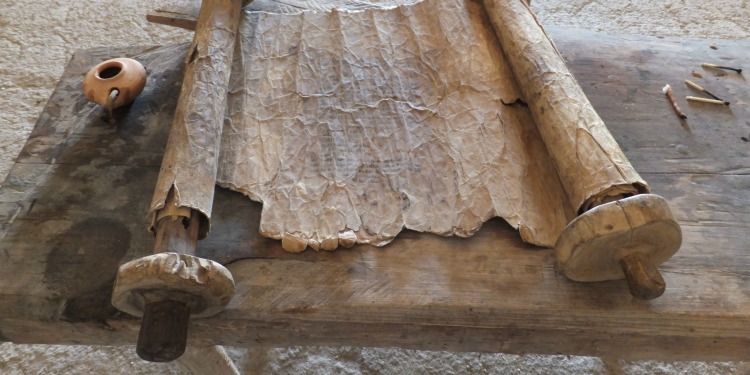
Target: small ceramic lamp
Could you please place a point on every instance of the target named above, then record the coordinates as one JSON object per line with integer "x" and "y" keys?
{"x": 126, "y": 76}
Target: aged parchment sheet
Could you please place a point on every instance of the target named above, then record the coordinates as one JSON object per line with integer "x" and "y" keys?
{"x": 350, "y": 126}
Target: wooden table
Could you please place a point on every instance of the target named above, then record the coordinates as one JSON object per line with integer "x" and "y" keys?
{"x": 74, "y": 207}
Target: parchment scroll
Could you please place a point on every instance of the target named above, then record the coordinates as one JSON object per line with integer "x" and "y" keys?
{"x": 189, "y": 168}
{"x": 350, "y": 126}
{"x": 588, "y": 160}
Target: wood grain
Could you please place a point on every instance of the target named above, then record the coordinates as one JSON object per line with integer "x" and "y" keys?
{"x": 73, "y": 210}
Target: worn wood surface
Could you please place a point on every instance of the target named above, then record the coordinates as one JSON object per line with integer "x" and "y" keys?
{"x": 74, "y": 208}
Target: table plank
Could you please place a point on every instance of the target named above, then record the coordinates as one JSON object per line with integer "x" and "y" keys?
{"x": 74, "y": 207}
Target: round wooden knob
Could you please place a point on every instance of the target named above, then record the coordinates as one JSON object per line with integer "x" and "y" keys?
{"x": 126, "y": 76}
{"x": 204, "y": 285}
{"x": 627, "y": 239}
{"x": 166, "y": 290}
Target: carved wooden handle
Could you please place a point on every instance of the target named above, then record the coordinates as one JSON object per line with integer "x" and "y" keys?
{"x": 164, "y": 327}
{"x": 644, "y": 280}
{"x": 163, "y": 334}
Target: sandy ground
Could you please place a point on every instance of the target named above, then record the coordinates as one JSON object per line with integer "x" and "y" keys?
{"x": 37, "y": 38}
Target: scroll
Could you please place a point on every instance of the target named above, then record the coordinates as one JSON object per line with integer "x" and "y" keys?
{"x": 436, "y": 116}
{"x": 351, "y": 125}
{"x": 354, "y": 125}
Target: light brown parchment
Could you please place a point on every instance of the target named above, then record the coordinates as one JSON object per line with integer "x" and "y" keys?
{"x": 351, "y": 126}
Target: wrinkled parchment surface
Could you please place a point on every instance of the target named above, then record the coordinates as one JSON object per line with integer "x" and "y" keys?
{"x": 350, "y": 126}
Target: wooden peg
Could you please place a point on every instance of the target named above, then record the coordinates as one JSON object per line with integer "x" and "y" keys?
{"x": 644, "y": 280}
{"x": 164, "y": 328}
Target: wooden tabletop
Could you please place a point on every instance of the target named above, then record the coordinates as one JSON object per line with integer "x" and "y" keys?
{"x": 74, "y": 207}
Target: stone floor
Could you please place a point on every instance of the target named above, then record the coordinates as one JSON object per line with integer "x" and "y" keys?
{"x": 37, "y": 38}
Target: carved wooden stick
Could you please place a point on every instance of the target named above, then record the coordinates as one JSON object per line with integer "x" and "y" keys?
{"x": 169, "y": 287}
{"x": 667, "y": 90}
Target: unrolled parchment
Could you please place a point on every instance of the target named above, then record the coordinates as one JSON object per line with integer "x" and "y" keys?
{"x": 350, "y": 126}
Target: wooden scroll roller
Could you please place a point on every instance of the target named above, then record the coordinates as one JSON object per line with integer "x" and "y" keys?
{"x": 172, "y": 285}
{"x": 620, "y": 232}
